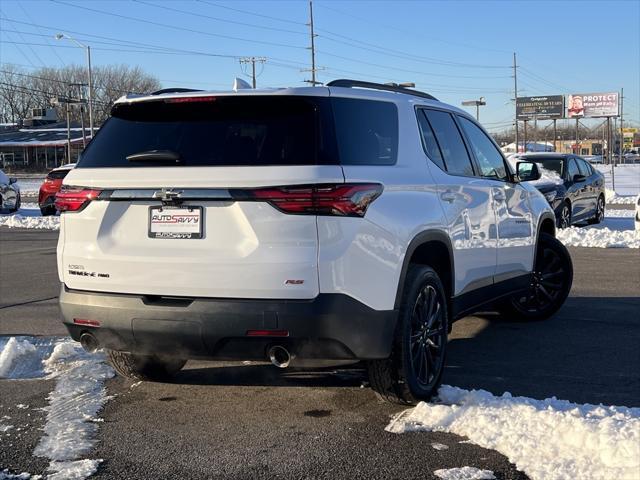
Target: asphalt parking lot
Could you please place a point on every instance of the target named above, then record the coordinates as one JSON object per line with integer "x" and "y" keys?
{"x": 253, "y": 421}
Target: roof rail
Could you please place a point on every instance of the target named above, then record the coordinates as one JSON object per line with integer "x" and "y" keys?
{"x": 175, "y": 90}
{"x": 343, "y": 82}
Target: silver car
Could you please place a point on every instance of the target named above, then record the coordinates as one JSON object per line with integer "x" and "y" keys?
{"x": 9, "y": 193}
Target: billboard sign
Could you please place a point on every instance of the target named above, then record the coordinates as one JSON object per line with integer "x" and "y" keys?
{"x": 542, "y": 108}
{"x": 592, "y": 105}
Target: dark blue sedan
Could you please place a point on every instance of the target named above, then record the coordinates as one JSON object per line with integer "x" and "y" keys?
{"x": 573, "y": 188}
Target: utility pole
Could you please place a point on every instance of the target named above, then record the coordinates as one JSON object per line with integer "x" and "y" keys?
{"x": 252, "y": 61}
{"x": 313, "y": 68}
{"x": 621, "y": 126}
{"x": 515, "y": 94}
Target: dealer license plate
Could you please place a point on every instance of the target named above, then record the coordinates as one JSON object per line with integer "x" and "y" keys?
{"x": 175, "y": 222}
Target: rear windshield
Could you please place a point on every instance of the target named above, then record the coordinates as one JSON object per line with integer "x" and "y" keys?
{"x": 57, "y": 174}
{"x": 248, "y": 131}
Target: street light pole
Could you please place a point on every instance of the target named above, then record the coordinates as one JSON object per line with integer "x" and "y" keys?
{"x": 60, "y": 36}
{"x": 477, "y": 104}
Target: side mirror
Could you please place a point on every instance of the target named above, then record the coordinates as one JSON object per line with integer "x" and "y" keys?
{"x": 579, "y": 178}
{"x": 13, "y": 180}
{"x": 527, "y": 171}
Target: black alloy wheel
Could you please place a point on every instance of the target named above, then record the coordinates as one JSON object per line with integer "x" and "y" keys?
{"x": 551, "y": 282}
{"x": 428, "y": 337}
{"x": 564, "y": 221}
{"x": 599, "y": 215}
{"x": 413, "y": 371}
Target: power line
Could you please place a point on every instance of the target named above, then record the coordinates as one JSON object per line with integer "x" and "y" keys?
{"x": 224, "y": 20}
{"x": 278, "y": 19}
{"x": 175, "y": 27}
{"x": 26, "y": 14}
{"x": 404, "y": 32}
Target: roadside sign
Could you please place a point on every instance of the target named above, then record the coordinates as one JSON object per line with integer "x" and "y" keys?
{"x": 542, "y": 108}
{"x": 592, "y": 105}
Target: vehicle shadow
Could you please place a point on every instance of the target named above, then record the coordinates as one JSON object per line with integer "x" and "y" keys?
{"x": 264, "y": 374}
{"x": 586, "y": 353}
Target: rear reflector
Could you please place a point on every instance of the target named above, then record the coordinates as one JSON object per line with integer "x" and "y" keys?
{"x": 343, "y": 199}
{"x": 86, "y": 322}
{"x": 74, "y": 199}
{"x": 267, "y": 333}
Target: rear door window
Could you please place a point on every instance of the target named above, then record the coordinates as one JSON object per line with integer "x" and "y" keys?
{"x": 454, "y": 151}
{"x": 366, "y": 131}
{"x": 217, "y": 131}
{"x": 429, "y": 142}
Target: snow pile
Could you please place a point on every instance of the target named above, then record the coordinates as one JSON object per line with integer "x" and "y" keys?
{"x": 72, "y": 413}
{"x": 598, "y": 237}
{"x": 77, "y": 469}
{"x": 5, "y": 475}
{"x": 464, "y": 473}
{"x": 21, "y": 221}
{"x": 614, "y": 199}
{"x": 10, "y": 356}
{"x": 547, "y": 439}
{"x": 73, "y": 406}
{"x": 22, "y": 357}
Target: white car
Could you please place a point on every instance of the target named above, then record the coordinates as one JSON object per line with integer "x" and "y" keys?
{"x": 9, "y": 193}
{"x": 637, "y": 217}
{"x": 344, "y": 223}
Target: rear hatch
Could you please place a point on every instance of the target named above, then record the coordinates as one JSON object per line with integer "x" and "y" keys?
{"x": 201, "y": 196}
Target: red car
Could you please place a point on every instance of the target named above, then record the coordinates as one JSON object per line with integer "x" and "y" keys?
{"x": 50, "y": 187}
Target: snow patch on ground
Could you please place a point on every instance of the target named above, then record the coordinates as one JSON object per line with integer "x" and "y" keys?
{"x": 464, "y": 473}
{"x": 599, "y": 237}
{"x": 548, "y": 439}
{"x": 29, "y": 216}
{"x": 616, "y": 231}
{"x": 72, "y": 411}
{"x": 77, "y": 469}
{"x": 5, "y": 428}
{"x": 439, "y": 446}
{"x": 5, "y": 475}
{"x": 613, "y": 198}
{"x": 616, "y": 213}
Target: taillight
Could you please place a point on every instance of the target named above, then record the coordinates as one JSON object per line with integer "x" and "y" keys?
{"x": 344, "y": 199}
{"x": 74, "y": 199}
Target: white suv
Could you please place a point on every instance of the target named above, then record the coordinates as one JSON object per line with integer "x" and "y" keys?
{"x": 324, "y": 225}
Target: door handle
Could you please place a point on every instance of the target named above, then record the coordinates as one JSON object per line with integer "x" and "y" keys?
{"x": 499, "y": 195}
{"x": 448, "y": 196}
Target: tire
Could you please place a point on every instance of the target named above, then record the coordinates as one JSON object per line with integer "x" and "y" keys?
{"x": 18, "y": 203}
{"x": 550, "y": 286}
{"x": 48, "y": 210}
{"x": 145, "y": 367}
{"x": 599, "y": 215}
{"x": 564, "y": 219}
{"x": 413, "y": 371}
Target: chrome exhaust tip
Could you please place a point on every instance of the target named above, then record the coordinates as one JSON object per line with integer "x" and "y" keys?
{"x": 279, "y": 356}
{"x": 89, "y": 342}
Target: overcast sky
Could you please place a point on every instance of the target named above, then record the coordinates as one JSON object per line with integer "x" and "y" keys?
{"x": 454, "y": 50}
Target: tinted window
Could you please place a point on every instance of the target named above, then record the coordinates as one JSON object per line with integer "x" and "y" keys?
{"x": 366, "y": 131}
{"x": 58, "y": 174}
{"x": 573, "y": 169}
{"x": 584, "y": 167}
{"x": 429, "y": 141}
{"x": 487, "y": 155}
{"x": 451, "y": 144}
{"x": 550, "y": 166}
{"x": 269, "y": 130}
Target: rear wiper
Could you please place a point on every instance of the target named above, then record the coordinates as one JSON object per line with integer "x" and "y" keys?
{"x": 162, "y": 156}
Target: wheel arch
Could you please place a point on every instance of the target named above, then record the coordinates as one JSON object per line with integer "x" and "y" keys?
{"x": 546, "y": 224}
{"x": 432, "y": 248}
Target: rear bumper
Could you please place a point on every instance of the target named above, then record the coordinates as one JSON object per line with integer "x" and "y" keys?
{"x": 329, "y": 327}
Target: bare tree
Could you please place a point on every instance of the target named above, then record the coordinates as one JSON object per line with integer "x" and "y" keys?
{"x": 20, "y": 91}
